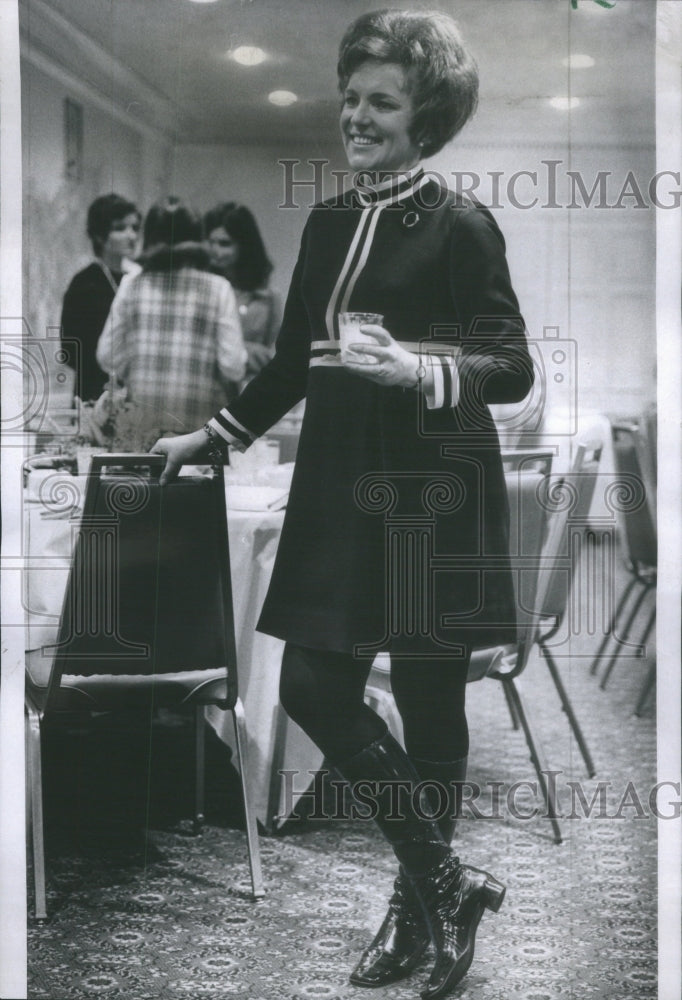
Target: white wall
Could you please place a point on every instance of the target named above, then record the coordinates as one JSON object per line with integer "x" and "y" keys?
{"x": 111, "y": 152}
{"x": 588, "y": 270}
{"x": 116, "y": 157}
{"x": 254, "y": 176}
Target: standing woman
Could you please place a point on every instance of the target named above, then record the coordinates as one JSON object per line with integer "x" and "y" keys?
{"x": 404, "y": 432}
{"x": 113, "y": 227}
{"x": 173, "y": 337}
{"x": 236, "y": 250}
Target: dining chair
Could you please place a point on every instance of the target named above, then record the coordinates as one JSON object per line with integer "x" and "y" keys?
{"x": 565, "y": 499}
{"x": 526, "y": 489}
{"x": 147, "y": 623}
{"x": 572, "y": 495}
{"x": 528, "y": 517}
{"x": 637, "y": 530}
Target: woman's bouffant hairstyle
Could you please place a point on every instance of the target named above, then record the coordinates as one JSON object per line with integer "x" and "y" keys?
{"x": 429, "y": 47}
{"x": 172, "y": 237}
{"x": 252, "y": 267}
{"x": 103, "y": 213}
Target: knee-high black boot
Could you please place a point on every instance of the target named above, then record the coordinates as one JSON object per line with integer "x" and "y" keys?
{"x": 382, "y": 774}
{"x": 403, "y": 937}
{"x": 452, "y": 897}
{"x": 443, "y": 782}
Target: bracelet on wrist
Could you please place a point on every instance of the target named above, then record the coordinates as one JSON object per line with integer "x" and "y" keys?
{"x": 419, "y": 375}
{"x": 217, "y": 448}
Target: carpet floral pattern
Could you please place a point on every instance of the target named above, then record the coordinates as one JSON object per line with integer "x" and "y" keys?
{"x": 167, "y": 915}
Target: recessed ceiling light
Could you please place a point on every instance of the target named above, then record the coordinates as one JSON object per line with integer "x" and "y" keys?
{"x": 564, "y": 103}
{"x": 248, "y": 55}
{"x": 578, "y": 61}
{"x": 203, "y": 1}
{"x": 282, "y": 98}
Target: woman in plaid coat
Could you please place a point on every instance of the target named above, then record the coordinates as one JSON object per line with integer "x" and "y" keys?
{"x": 173, "y": 336}
{"x": 396, "y": 533}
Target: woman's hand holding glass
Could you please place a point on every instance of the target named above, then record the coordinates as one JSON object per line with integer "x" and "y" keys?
{"x": 392, "y": 364}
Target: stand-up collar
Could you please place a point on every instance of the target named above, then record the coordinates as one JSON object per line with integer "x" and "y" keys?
{"x": 394, "y": 189}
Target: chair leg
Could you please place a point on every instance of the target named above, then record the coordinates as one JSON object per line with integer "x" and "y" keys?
{"x": 33, "y": 746}
{"x": 536, "y": 756}
{"x": 648, "y": 684}
{"x": 568, "y": 709}
{"x": 510, "y": 706}
{"x": 626, "y": 632}
{"x": 200, "y": 768}
{"x": 274, "y": 818}
{"x": 612, "y": 626}
{"x": 650, "y": 678}
{"x": 251, "y": 828}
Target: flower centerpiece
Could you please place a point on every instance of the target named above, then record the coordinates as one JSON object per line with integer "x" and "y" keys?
{"x": 116, "y": 423}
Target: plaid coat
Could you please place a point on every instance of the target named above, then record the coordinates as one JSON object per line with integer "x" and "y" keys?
{"x": 174, "y": 339}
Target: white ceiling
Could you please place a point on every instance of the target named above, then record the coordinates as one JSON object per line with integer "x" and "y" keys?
{"x": 169, "y": 66}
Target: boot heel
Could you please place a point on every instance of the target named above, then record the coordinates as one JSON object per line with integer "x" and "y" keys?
{"x": 493, "y": 893}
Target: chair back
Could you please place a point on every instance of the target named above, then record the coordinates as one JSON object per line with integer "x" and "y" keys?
{"x": 638, "y": 510}
{"x": 527, "y": 517}
{"x": 149, "y": 589}
{"x": 527, "y": 459}
{"x": 540, "y": 506}
{"x": 649, "y": 426}
{"x": 568, "y": 498}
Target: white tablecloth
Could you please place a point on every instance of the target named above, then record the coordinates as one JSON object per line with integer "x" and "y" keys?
{"x": 273, "y": 741}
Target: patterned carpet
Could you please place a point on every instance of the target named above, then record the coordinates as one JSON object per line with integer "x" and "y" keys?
{"x": 166, "y": 915}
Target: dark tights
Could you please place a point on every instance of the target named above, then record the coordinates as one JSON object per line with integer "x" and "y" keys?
{"x": 324, "y": 693}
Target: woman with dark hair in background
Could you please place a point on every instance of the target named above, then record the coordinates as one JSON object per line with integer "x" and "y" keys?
{"x": 174, "y": 338}
{"x": 113, "y": 227}
{"x": 402, "y": 423}
{"x": 236, "y": 250}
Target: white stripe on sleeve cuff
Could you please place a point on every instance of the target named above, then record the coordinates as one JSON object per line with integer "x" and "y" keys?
{"x": 231, "y": 431}
{"x": 445, "y": 389}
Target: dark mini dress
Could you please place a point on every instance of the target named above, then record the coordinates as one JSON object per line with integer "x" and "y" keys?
{"x": 396, "y": 532}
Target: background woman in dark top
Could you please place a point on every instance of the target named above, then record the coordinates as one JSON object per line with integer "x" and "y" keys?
{"x": 236, "y": 250}
{"x": 113, "y": 227}
{"x": 409, "y": 436}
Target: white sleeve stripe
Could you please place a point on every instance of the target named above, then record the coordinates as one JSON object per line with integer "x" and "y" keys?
{"x": 445, "y": 389}
{"x": 447, "y": 382}
{"x": 454, "y": 388}
{"x": 226, "y": 435}
{"x": 451, "y": 380}
{"x": 438, "y": 384}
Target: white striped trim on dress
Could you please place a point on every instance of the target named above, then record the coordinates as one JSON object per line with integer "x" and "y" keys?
{"x": 392, "y": 189}
{"x": 374, "y": 201}
{"x": 331, "y": 319}
{"x": 362, "y": 260}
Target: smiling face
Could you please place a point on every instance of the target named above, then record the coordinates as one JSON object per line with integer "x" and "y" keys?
{"x": 222, "y": 250}
{"x": 376, "y": 114}
{"x": 121, "y": 241}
